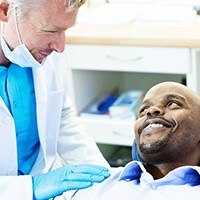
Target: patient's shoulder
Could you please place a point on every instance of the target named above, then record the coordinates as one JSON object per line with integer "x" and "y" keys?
{"x": 96, "y": 190}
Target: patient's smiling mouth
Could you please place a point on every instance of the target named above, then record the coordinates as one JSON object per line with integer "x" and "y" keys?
{"x": 155, "y": 126}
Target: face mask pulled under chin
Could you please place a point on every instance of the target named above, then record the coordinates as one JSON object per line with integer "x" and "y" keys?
{"x": 20, "y": 55}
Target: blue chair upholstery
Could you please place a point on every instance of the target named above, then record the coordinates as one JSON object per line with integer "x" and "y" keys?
{"x": 135, "y": 154}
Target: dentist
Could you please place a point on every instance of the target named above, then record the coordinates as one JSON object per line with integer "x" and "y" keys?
{"x": 42, "y": 145}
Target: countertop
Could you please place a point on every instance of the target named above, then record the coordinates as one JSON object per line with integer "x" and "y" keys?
{"x": 137, "y": 34}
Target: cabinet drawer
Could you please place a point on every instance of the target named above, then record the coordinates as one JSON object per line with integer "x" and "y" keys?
{"x": 109, "y": 131}
{"x": 129, "y": 58}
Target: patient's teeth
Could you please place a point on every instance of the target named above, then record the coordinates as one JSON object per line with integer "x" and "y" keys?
{"x": 155, "y": 126}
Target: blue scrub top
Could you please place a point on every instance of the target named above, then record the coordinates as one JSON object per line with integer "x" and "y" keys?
{"x": 17, "y": 92}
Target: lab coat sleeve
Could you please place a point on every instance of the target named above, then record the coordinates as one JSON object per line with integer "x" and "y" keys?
{"x": 75, "y": 146}
{"x": 16, "y": 187}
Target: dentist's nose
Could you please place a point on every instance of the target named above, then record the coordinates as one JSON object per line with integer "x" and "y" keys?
{"x": 58, "y": 44}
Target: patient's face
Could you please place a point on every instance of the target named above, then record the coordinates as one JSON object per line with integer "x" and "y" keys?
{"x": 168, "y": 124}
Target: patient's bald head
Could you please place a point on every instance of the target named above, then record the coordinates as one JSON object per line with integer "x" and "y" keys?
{"x": 168, "y": 124}
{"x": 174, "y": 87}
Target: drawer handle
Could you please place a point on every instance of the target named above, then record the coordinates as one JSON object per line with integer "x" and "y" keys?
{"x": 137, "y": 58}
{"x": 117, "y": 133}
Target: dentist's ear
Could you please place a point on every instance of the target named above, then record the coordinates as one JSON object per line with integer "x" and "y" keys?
{"x": 4, "y": 4}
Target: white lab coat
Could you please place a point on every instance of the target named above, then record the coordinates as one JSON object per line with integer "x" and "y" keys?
{"x": 62, "y": 138}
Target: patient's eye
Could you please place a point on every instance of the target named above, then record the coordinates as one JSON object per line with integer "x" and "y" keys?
{"x": 174, "y": 105}
{"x": 142, "y": 111}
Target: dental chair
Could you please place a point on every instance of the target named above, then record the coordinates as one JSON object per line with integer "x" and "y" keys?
{"x": 135, "y": 154}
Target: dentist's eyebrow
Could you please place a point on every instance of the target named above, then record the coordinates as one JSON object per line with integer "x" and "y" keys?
{"x": 54, "y": 27}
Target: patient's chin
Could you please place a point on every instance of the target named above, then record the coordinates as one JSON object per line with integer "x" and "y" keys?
{"x": 151, "y": 148}
{"x": 153, "y": 152}
{"x": 153, "y": 144}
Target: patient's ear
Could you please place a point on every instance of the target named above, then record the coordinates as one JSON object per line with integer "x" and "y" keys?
{"x": 4, "y": 4}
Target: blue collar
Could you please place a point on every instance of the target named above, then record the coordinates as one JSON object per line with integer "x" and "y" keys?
{"x": 135, "y": 171}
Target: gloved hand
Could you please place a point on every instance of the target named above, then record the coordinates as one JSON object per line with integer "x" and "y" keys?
{"x": 69, "y": 177}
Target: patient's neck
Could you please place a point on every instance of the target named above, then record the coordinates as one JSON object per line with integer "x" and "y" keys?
{"x": 162, "y": 169}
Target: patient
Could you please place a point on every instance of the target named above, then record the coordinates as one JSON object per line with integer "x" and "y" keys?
{"x": 167, "y": 134}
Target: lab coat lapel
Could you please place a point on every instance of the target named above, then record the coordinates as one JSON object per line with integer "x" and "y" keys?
{"x": 39, "y": 77}
{"x": 8, "y": 142}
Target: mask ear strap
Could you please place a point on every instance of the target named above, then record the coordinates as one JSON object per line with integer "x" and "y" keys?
{"x": 2, "y": 29}
{"x": 16, "y": 25}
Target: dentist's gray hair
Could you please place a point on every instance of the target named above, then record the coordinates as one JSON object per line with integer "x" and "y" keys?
{"x": 23, "y": 7}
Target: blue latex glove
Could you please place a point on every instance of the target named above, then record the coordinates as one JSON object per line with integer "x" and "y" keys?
{"x": 70, "y": 177}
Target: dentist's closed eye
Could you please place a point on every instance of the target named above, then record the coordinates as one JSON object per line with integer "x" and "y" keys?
{"x": 51, "y": 31}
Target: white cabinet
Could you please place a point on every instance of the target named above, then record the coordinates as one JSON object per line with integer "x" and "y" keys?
{"x": 130, "y": 59}
{"x": 100, "y": 69}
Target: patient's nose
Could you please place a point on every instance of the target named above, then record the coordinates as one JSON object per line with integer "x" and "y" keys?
{"x": 154, "y": 111}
